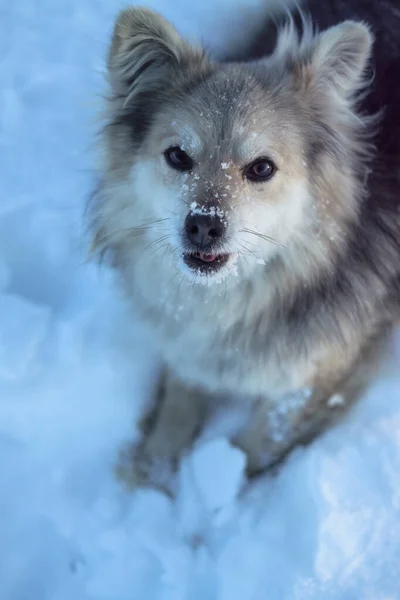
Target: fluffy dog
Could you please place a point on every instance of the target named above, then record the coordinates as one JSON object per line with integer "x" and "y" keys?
{"x": 252, "y": 211}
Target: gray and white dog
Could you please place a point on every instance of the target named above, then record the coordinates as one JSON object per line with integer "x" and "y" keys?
{"x": 252, "y": 211}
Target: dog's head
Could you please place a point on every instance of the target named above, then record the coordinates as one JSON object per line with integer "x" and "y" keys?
{"x": 215, "y": 165}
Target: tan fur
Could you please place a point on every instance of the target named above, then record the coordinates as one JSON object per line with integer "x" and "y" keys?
{"x": 290, "y": 322}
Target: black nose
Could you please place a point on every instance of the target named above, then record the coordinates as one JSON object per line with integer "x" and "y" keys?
{"x": 203, "y": 230}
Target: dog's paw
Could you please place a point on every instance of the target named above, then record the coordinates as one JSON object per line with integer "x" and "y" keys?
{"x": 138, "y": 467}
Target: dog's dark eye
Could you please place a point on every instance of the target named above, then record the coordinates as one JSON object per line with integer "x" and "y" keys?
{"x": 260, "y": 170}
{"x": 178, "y": 159}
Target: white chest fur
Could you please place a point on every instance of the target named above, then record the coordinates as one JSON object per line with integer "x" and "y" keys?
{"x": 208, "y": 334}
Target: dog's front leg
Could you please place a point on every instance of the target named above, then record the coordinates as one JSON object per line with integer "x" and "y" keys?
{"x": 296, "y": 419}
{"x": 167, "y": 433}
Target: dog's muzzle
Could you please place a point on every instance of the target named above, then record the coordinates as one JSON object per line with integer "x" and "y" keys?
{"x": 204, "y": 233}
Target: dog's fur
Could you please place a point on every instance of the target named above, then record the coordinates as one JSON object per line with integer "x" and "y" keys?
{"x": 300, "y": 313}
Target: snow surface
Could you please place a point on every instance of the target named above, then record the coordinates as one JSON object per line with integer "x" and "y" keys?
{"x": 73, "y": 377}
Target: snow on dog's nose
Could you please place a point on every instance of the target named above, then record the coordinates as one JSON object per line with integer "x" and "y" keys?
{"x": 203, "y": 231}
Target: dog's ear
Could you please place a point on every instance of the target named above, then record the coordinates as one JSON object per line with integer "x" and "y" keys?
{"x": 335, "y": 58}
{"x": 341, "y": 55}
{"x": 144, "y": 50}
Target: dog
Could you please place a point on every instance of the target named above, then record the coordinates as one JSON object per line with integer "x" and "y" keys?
{"x": 251, "y": 210}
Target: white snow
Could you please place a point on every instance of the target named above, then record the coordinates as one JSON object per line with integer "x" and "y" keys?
{"x": 73, "y": 376}
{"x": 336, "y": 400}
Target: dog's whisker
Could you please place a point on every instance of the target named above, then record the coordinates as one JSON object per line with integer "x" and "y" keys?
{"x": 137, "y": 230}
{"x": 170, "y": 281}
{"x": 158, "y": 249}
{"x": 158, "y": 241}
{"x": 261, "y": 236}
{"x": 243, "y": 255}
{"x": 248, "y": 251}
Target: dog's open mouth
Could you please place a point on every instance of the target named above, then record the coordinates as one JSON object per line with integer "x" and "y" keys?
{"x": 204, "y": 262}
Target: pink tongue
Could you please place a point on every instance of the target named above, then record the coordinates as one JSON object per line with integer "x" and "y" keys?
{"x": 207, "y": 257}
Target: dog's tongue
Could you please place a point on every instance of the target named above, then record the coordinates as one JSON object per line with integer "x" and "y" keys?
{"x": 207, "y": 257}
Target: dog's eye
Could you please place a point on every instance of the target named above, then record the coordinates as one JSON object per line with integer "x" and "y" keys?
{"x": 178, "y": 159}
{"x": 261, "y": 169}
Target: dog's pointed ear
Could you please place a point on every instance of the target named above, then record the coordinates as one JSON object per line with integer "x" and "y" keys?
{"x": 144, "y": 50}
{"x": 341, "y": 55}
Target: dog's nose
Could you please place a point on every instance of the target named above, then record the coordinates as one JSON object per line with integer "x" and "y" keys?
{"x": 203, "y": 230}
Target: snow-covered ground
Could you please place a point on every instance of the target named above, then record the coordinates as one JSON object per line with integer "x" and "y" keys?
{"x": 72, "y": 378}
